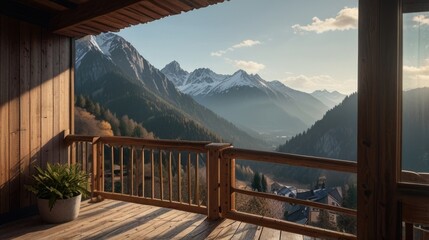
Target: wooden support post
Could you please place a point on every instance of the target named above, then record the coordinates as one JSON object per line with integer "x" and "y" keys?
{"x": 94, "y": 179}
{"x": 214, "y": 180}
{"x": 232, "y": 180}
{"x": 100, "y": 165}
{"x": 379, "y": 119}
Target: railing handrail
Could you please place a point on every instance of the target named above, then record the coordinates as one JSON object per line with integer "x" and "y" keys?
{"x": 291, "y": 159}
{"x": 134, "y": 141}
{"x": 227, "y": 151}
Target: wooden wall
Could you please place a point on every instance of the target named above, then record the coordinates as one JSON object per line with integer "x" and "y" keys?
{"x": 35, "y": 106}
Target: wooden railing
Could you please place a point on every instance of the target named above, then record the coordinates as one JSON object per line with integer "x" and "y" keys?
{"x": 191, "y": 176}
{"x": 228, "y": 190}
{"x": 157, "y": 172}
{"x": 413, "y": 193}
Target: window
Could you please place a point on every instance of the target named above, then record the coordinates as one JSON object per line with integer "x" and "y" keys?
{"x": 415, "y": 120}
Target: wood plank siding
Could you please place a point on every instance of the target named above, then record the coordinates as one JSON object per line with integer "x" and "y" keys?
{"x": 35, "y": 105}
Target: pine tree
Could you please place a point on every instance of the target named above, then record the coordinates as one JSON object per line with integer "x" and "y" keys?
{"x": 80, "y": 101}
{"x": 348, "y": 223}
{"x": 256, "y": 183}
{"x": 263, "y": 183}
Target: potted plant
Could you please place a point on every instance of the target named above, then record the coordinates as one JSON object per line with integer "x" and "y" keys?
{"x": 59, "y": 189}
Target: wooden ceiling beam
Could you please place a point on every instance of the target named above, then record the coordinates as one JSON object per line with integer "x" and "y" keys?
{"x": 66, "y": 3}
{"x": 409, "y": 6}
{"x": 86, "y": 12}
{"x": 23, "y": 12}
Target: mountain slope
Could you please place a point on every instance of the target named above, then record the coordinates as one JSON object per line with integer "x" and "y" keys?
{"x": 115, "y": 74}
{"x": 249, "y": 101}
{"x": 335, "y": 136}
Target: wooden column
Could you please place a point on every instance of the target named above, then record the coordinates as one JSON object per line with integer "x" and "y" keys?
{"x": 379, "y": 118}
{"x": 213, "y": 179}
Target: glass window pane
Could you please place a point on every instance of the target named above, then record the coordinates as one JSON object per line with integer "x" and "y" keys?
{"x": 415, "y": 128}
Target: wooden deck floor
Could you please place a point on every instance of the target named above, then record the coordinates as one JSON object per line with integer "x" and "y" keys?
{"x": 120, "y": 220}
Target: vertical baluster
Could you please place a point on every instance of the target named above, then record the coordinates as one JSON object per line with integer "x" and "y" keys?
{"x": 77, "y": 154}
{"x": 132, "y": 171}
{"x": 161, "y": 180}
{"x": 170, "y": 178}
{"x": 121, "y": 156}
{"x": 207, "y": 182}
{"x": 143, "y": 180}
{"x": 153, "y": 173}
{"x": 113, "y": 168}
{"x": 197, "y": 187}
{"x": 179, "y": 177}
{"x": 101, "y": 174}
{"x": 85, "y": 155}
{"x": 73, "y": 153}
{"x": 189, "y": 179}
{"x": 82, "y": 156}
{"x": 94, "y": 169}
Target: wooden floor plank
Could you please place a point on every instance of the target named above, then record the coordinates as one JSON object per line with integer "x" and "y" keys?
{"x": 290, "y": 236}
{"x": 185, "y": 228}
{"x": 85, "y": 219}
{"x": 111, "y": 219}
{"x": 105, "y": 227}
{"x": 269, "y": 233}
{"x": 227, "y": 231}
{"x": 246, "y": 231}
{"x": 155, "y": 228}
{"x": 148, "y": 227}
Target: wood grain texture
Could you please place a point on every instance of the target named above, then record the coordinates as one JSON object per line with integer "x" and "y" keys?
{"x": 119, "y": 220}
{"x": 4, "y": 114}
{"x": 379, "y": 119}
{"x": 14, "y": 116}
{"x": 35, "y": 96}
{"x": 291, "y": 159}
{"x": 24, "y": 120}
{"x": 30, "y": 74}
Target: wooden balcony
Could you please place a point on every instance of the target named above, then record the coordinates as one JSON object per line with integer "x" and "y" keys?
{"x": 147, "y": 172}
{"x": 121, "y": 220}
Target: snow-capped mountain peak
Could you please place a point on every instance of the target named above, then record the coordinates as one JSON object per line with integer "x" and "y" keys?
{"x": 104, "y": 42}
{"x": 175, "y": 73}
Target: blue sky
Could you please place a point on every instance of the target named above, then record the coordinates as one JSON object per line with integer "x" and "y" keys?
{"x": 416, "y": 50}
{"x": 308, "y": 45}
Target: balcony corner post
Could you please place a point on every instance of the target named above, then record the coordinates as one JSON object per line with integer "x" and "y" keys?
{"x": 213, "y": 179}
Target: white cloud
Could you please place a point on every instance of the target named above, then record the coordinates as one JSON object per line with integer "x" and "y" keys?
{"x": 421, "y": 19}
{"x": 416, "y": 77}
{"x": 218, "y": 53}
{"x": 312, "y": 83}
{"x": 245, "y": 43}
{"x": 249, "y": 66}
{"x": 346, "y": 19}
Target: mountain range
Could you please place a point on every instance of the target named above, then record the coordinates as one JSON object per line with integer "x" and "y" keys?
{"x": 335, "y": 135}
{"x": 252, "y": 103}
{"x": 112, "y": 72}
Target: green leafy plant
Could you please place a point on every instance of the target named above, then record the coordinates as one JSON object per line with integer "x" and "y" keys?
{"x": 59, "y": 181}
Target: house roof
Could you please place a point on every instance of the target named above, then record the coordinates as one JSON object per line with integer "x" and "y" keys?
{"x": 320, "y": 195}
{"x": 78, "y": 18}
{"x": 299, "y": 214}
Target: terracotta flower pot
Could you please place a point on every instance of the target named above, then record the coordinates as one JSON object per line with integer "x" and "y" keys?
{"x": 64, "y": 210}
